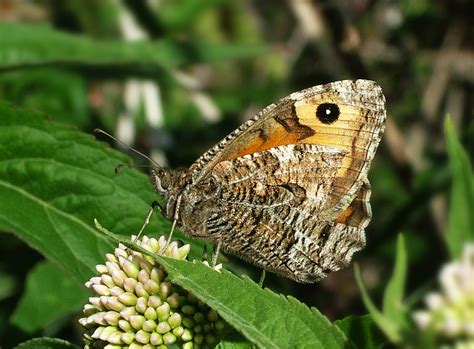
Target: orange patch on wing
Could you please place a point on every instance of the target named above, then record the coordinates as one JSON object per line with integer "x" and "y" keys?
{"x": 279, "y": 136}
{"x": 345, "y": 215}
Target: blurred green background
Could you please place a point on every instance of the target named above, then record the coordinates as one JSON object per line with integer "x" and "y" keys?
{"x": 171, "y": 78}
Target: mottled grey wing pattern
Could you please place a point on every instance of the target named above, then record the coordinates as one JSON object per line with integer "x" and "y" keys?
{"x": 266, "y": 207}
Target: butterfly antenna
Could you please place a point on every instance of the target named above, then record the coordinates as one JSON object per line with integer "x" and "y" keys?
{"x": 100, "y": 131}
{"x": 119, "y": 167}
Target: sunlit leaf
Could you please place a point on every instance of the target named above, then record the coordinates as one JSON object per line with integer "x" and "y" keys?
{"x": 55, "y": 180}
{"x": 461, "y": 210}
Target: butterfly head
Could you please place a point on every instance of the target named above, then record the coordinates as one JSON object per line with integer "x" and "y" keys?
{"x": 162, "y": 180}
{"x": 167, "y": 181}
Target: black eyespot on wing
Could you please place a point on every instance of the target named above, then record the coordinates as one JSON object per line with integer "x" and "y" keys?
{"x": 327, "y": 113}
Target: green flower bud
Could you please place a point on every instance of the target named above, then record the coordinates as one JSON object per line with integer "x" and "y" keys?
{"x": 112, "y": 318}
{"x": 189, "y": 309}
{"x": 154, "y": 301}
{"x": 209, "y": 338}
{"x": 127, "y": 312}
{"x": 141, "y": 304}
{"x": 219, "y": 325}
{"x": 142, "y": 337}
{"x": 163, "y": 327}
{"x": 129, "y": 268}
{"x": 178, "y": 331}
{"x": 174, "y": 320}
{"x": 116, "y": 291}
{"x": 101, "y": 290}
{"x": 124, "y": 325}
{"x": 104, "y": 335}
{"x": 107, "y": 280}
{"x": 137, "y": 321}
{"x": 128, "y": 337}
{"x": 156, "y": 339}
{"x": 146, "y": 264}
{"x": 118, "y": 276}
{"x": 188, "y": 322}
{"x": 136, "y": 305}
{"x": 115, "y": 338}
{"x": 140, "y": 290}
{"x": 89, "y": 309}
{"x": 110, "y": 258}
{"x": 112, "y": 303}
{"x": 169, "y": 338}
{"x": 143, "y": 276}
{"x": 187, "y": 335}
{"x": 165, "y": 289}
{"x": 199, "y": 338}
{"x": 163, "y": 312}
{"x": 173, "y": 300}
{"x": 157, "y": 275}
{"x": 149, "y": 326}
{"x": 199, "y": 318}
{"x": 150, "y": 313}
{"x": 127, "y": 298}
{"x": 183, "y": 252}
{"x": 188, "y": 345}
{"x": 111, "y": 346}
{"x": 101, "y": 269}
{"x": 151, "y": 286}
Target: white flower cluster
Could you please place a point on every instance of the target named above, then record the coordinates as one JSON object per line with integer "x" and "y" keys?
{"x": 136, "y": 306}
{"x": 450, "y": 312}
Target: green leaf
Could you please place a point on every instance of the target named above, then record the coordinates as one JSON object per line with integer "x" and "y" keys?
{"x": 38, "y": 45}
{"x": 46, "y": 343}
{"x": 50, "y": 294}
{"x": 461, "y": 217}
{"x": 60, "y": 94}
{"x": 234, "y": 341}
{"x": 55, "y": 180}
{"x": 393, "y": 307}
{"x": 23, "y": 46}
{"x": 265, "y": 318}
{"x": 388, "y": 326}
{"x": 362, "y": 331}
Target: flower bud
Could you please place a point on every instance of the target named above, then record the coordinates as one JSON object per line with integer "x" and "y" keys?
{"x": 136, "y": 305}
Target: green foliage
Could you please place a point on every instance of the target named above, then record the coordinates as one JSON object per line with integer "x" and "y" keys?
{"x": 392, "y": 319}
{"x": 393, "y": 307}
{"x": 30, "y": 45}
{"x": 461, "y": 213}
{"x": 50, "y": 294}
{"x": 234, "y": 57}
{"x": 56, "y": 180}
{"x": 46, "y": 343}
{"x": 362, "y": 331}
{"x": 276, "y": 322}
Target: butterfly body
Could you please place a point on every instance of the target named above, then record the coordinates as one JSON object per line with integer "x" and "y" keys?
{"x": 288, "y": 190}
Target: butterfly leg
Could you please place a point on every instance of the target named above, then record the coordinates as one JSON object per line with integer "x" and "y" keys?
{"x": 153, "y": 205}
{"x": 175, "y": 220}
{"x": 215, "y": 253}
